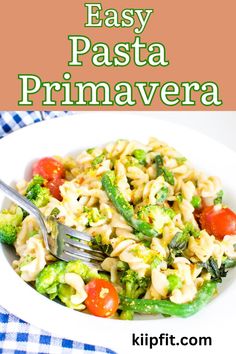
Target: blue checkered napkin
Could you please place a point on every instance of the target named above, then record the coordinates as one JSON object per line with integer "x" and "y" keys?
{"x": 54, "y": 114}
{"x": 19, "y": 337}
{"x": 13, "y": 120}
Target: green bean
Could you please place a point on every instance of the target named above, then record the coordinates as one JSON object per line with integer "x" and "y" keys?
{"x": 123, "y": 206}
{"x": 166, "y": 307}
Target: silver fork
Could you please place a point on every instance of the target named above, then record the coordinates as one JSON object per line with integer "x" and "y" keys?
{"x": 60, "y": 240}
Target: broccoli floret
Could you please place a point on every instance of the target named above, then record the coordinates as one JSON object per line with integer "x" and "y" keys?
{"x": 82, "y": 269}
{"x": 8, "y": 234}
{"x": 156, "y": 216}
{"x": 93, "y": 215}
{"x": 122, "y": 266}
{"x": 9, "y": 222}
{"x": 134, "y": 287}
{"x": 12, "y": 217}
{"x": 190, "y": 229}
{"x": 35, "y": 180}
{"x": 50, "y": 278}
{"x": 36, "y": 193}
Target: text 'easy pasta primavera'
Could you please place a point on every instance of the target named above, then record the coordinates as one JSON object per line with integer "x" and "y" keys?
{"x": 168, "y": 236}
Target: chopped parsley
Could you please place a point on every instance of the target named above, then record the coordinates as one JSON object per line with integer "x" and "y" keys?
{"x": 219, "y": 197}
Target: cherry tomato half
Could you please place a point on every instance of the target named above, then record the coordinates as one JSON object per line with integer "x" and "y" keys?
{"x": 218, "y": 222}
{"x": 102, "y": 298}
{"x": 54, "y": 187}
{"x": 49, "y": 168}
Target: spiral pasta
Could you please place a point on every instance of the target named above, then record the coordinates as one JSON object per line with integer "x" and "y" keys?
{"x": 164, "y": 191}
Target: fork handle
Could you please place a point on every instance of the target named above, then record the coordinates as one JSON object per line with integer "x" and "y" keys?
{"x": 27, "y": 205}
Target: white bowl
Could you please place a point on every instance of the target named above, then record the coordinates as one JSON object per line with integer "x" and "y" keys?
{"x": 69, "y": 135}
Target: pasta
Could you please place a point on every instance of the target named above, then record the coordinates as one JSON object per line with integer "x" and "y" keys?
{"x": 164, "y": 190}
{"x": 77, "y": 283}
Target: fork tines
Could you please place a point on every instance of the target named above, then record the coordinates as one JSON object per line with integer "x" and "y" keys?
{"x": 75, "y": 245}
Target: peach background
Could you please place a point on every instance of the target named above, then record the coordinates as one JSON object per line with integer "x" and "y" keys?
{"x": 199, "y": 37}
